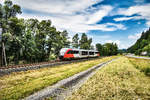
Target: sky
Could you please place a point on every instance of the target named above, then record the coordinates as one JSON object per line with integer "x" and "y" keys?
{"x": 105, "y": 21}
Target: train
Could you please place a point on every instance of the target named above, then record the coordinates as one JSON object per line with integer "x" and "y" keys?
{"x": 69, "y": 53}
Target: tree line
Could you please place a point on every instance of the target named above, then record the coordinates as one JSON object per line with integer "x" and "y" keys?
{"x": 107, "y": 49}
{"x": 31, "y": 40}
{"x": 142, "y": 44}
{"x": 28, "y": 40}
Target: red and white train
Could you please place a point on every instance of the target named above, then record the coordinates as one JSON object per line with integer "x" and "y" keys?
{"x": 68, "y": 53}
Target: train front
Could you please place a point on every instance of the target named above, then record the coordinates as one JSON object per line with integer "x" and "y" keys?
{"x": 62, "y": 53}
{"x": 66, "y": 53}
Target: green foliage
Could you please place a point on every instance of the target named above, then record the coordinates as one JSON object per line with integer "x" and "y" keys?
{"x": 10, "y": 29}
{"x": 33, "y": 40}
{"x": 142, "y": 44}
{"x": 29, "y": 40}
{"x": 122, "y": 51}
{"x": 75, "y": 41}
{"x": 142, "y": 65}
{"x": 85, "y": 43}
{"x": 107, "y": 49}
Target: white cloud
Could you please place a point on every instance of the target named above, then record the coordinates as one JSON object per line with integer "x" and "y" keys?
{"x": 139, "y": 23}
{"x": 98, "y": 15}
{"x": 135, "y": 36}
{"x": 118, "y": 26}
{"x": 142, "y": 10}
{"x": 148, "y": 23}
{"x": 119, "y": 43}
{"x": 75, "y": 23}
{"x": 124, "y": 18}
{"x": 57, "y": 6}
{"x": 72, "y": 15}
{"x": 139, "y": 1}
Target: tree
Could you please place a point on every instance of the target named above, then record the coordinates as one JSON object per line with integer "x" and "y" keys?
{"x": 115, "y": 49}
{"x": 30, "y": 51}
{"x": 7, "y": 11}
{"x": 52, "y": 38}
{"x": 13, "y": 38}
{"x": 41, "y": 39}
{"x": 89, "y": 44}
{"x": 99, "y": 48}
{"x": 0, "y": 35}
{"x": 62, "y": 41}
{"x": 75, "y": 41}
{"x": 65, "y": 38}
{"x": 141, "y": 43}
{"x": 85, "y": 43}
{"x": 92, "y": 47}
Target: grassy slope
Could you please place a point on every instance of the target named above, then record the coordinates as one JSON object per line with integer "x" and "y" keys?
{"x": 141, "y": 64}
{"x": 21, "y": 84}
{"x": 118, "y": 80}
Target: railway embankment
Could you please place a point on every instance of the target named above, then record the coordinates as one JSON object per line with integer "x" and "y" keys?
{"x": 19, "y": 85}
{"x": 18, "y": 68}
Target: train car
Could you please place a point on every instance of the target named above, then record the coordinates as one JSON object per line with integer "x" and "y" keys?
{"x": 68, "y": 53}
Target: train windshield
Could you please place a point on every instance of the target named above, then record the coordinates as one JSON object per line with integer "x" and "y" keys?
{"x": 62, "y": 51}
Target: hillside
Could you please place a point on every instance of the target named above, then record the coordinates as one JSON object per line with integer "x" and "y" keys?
{"x": 142, "y": 44}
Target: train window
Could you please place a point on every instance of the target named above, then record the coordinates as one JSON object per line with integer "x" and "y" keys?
{"x": 69, "y": 52}
{"x": 76, "y": 52}
{"x": 91, "y": 53}
{"x": 84, "y": 53}
{"x": 96, "y": 52}
{"x": 73, "y": 52}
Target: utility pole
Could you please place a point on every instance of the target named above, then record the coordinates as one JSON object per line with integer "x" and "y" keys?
{"x": 4, "y": 61}
{"x": 3, "y": 53}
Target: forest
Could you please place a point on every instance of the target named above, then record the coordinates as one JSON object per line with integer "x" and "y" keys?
{"x": 30, "y": 40}
{"x": 142, "y": 44}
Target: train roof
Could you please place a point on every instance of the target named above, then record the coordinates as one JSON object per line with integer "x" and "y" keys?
{"x": 79, "y": 49}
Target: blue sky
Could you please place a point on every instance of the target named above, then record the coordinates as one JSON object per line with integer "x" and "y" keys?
{"x": 119, "y": 21}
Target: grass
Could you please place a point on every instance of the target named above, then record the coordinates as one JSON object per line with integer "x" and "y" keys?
{"x": 21, "y": 84}
{"x": 119, "y": 80}
{"x": 141, "y": 64}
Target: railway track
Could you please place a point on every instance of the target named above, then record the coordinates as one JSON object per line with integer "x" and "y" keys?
{"x": 17, "y": 68}
{"x": 26, "y": 65}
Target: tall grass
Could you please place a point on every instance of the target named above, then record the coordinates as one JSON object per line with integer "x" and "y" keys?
{"x": 141, "y": 64}
{"x": 21, "y": 84}
{"x": 119, "y": 80}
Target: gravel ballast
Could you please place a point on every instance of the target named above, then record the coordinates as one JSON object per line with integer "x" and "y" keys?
{"x": 64, "y": 88}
